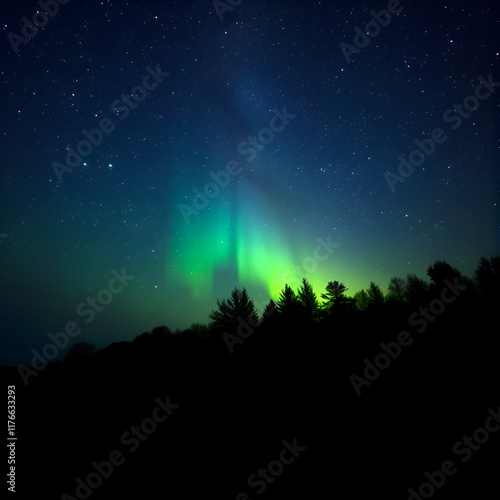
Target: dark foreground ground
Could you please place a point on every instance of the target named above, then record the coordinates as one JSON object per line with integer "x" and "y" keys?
{"x": 282, "y": 385}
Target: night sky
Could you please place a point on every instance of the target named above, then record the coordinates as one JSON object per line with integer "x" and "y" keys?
{"x": 247, "y": 151}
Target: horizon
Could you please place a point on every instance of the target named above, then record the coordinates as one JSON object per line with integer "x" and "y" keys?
{"x": 92, "y": 311}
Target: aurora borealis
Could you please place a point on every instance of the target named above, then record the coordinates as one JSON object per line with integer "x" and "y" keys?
{"x": 205, "y": 182}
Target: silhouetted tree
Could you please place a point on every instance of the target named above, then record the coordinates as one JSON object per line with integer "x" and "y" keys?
{"x": 200, "y": 330}
{"x": 288, "y": 304}
{"x": 159, "y": 331}
{"x": 397, "y": 289}
{"x": 141, "y": 338}
{"x": 417, "y": 289}
{"x": 79, "y": 350}
{"x": 361, "y": 300}
{"x": 487, "y": 276}
{"x": 308, "y": 300}
{"x": 335, "y": 300}
{"x": 269, "y": 313}
{"x": 229, "y": 310}
{"x": 375, "y": 296}
{"x": 441, "y": 271}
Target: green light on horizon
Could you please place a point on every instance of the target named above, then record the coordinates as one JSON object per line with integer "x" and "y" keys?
{"x": 263, "y": 259}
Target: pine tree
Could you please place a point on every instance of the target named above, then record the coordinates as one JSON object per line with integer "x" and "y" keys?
{"x": 288, "y": 304}
{"x": 417, "y": 289}
{"x": 335, "y": 300}
{"x": 487, "y": 277}
{"x": 375, "y": 296}
{"x": 232, "y": 311}
{"x": 269, "y": 313}
{"x": 397, "y": 289}
{"x": 308, "y": 300}
{"x": 361, "y": 300}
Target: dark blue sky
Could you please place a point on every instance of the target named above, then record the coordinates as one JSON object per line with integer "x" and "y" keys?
{"x": 319, "y": 176}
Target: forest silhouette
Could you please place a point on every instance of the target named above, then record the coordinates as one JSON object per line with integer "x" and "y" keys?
{"x": 245, "y": 382}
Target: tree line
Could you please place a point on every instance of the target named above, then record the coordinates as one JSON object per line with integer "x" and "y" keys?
{"x": 304, "y": 305}
{"x": 296, "y": 310}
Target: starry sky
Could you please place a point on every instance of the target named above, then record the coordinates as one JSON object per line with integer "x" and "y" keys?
{"x": 193, "y": 148}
